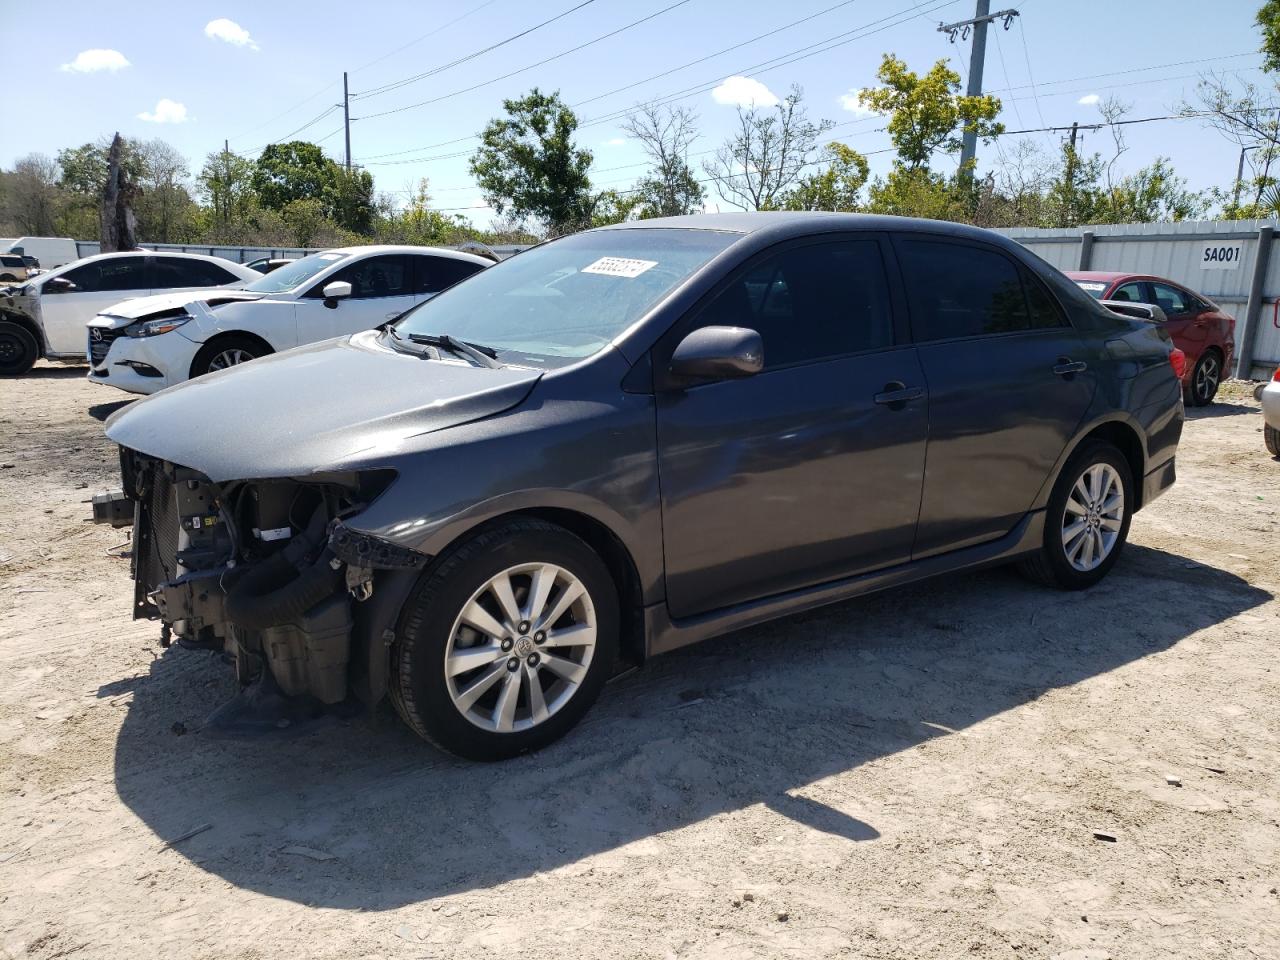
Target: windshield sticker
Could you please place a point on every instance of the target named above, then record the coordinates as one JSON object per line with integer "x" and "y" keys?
{"x": 1090, "y": 286}
{"x": 620, "y": 267}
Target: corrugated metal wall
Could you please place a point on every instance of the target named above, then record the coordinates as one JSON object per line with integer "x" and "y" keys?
{"x": 1178, "y": 251}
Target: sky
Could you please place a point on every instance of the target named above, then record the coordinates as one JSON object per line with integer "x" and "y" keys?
{"x": 196, "y": 74}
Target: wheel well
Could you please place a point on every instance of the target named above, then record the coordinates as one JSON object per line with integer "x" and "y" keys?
{"x": 231, "y": 335}
{"x": 1125, "y": 439}
{"x": 616, "y": 558}
{"x": 27, "y": 324}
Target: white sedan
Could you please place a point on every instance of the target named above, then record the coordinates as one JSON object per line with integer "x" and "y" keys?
{"x": 148, "y": 344}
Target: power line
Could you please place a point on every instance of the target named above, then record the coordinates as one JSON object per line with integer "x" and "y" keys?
{"x": 1026, "y": 53}
{"x": 404, "y": 82}
{"x": 430, "y": 33}
{"x": 505, "y": 76}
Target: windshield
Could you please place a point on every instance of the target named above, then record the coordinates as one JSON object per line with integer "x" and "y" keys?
{"x": 296, "y": 273}
{"x": 565, "y": 300}
{"x": 1092, "y": 287}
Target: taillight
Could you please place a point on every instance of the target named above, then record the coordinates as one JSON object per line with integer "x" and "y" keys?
{"x": 1276, "y": 375}
{"x": 1178, "y": 360}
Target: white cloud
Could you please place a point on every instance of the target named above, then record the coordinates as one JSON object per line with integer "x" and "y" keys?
{"x": 849, "y": 101}
{"x": 615, "y": 142}
{"x": 167, "y": 111}
{"x": 230, "y": 31}
{"x": 91, "y": 61}
{"x": 1089, "y": 99}
{"x": 744, "y": 92}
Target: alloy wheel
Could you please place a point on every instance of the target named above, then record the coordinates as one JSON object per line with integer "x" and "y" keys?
{"x": 229, "y": 358}
{"x": 1207, "y": 376}
{"x": 520, "y": 648}
{"x": 1093, "y": 517}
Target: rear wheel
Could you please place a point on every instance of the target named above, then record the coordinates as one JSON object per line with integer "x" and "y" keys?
{"x": 507, "y": 642}
{"x": 1087, "y": 519}
{"x": 19, "y": 350}
{"x": 1271, "y": 436}
{"x": 226, "y": 352}
{"x": 1205, "y": 379}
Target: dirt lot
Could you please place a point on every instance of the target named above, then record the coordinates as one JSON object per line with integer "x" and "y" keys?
{"x": 916, "y": 775}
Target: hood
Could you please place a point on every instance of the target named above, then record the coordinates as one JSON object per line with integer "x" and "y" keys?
{"x": 141, "y": 307}
{"x": 327, "y": 406}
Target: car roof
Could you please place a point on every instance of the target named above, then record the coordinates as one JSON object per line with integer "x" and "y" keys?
{"x": 381, "y": 248}
{"x": 1101, "y": 275}
{"x": 786, "y": 222}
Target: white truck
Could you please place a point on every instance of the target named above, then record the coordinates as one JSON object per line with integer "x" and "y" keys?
{"x": 50, "y": 251}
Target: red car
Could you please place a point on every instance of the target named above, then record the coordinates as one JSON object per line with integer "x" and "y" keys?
{"x": 1199, "y": 327}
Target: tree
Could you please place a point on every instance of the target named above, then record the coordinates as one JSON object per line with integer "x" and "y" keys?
{"x": 286, "y": 172}
{"x": 32, "y": 194}
{"x": 165, "y": 206}
{"x": 920, "y": 192}
{"x": 767, "y": 154}
{"x": 119, "y": 223}
{"x": 836, "y": 188}
{"x": 665, "y": 135}
{"x": 927, "y": 113}
{"x": 1268, "y": 21}
{"x": 349, "y": 200}
{"x": 528, "y": 165}
{"x": 611, "y": 206}
{"x": 226, "y": 184}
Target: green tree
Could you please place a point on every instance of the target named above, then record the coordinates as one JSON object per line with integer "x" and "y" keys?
{"x": 919, "y": 192}
{"x": 836, "y": 188}
{"x": 612, "y": 206}
{"x": 350, "y": 199}
{"x": 225, "y": 183}
{"x": 928, "y": 114}
{"x": 286, "y": 172}
{"x": 1268, "y": 21}
{"x": 528, "y": 164}
{"x": 767, "y": 154}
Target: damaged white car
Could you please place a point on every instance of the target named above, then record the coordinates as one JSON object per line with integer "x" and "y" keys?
{"x": 150, "y": 343}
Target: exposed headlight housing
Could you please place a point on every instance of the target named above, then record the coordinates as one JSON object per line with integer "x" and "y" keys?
{"x": 157, "y": 325}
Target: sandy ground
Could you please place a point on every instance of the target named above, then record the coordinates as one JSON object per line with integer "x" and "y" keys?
{"x": 921, "y": 774}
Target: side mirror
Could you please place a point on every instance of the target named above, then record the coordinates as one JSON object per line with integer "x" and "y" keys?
{"x": 717, "y": 353}
{"x": 1138, "y": 311}
{"x": 333, "y": 292}
{"x": 58, "y": 285}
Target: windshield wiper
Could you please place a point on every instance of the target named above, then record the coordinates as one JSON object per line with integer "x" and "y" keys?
{"x": 482, "y": 355}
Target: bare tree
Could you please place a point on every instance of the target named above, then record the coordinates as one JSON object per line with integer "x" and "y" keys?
{"x": 767, "y": 154}
{"x": 119, "y": 225}
{"x": 1246, "y": 114}
{"x": 665, "y": 134}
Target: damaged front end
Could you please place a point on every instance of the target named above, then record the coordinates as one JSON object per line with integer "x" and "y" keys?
{"x": 267, "y": 573}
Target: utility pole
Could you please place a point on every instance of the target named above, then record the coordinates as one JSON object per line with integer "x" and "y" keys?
{"x": 226, "y": 181}
{"x": 1070, "y": 172}
{"x": 1235, "y": 194}
{"x": 977, "y": 58}
{"x": 346, "y": 117}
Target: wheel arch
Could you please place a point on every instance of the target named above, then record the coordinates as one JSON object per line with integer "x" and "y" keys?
{"x": 1121, "y": 434}
{"x": 222, "y": 337}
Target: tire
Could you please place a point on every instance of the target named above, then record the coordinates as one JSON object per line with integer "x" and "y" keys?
{"x": 1205, "y": 379}
{"x": 1271, "y": 437}
{"x": 8, "y": 278}
{"x": 1057, "y": 566}
{"x": 217, "y": 354}
{"x": 447, "y": 710}
{"x": 19, "y": 349}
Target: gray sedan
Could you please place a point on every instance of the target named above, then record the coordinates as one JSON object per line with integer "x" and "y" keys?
{"x": 628, "y": 440}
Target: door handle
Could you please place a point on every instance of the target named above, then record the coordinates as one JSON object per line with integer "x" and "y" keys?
{"x": 1065, "y": 366}
{"x": 896, "y": 394}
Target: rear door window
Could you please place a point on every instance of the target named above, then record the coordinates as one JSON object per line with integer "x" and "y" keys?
{"x": 811, "y": 302}
{"x": 1135, "y": 291}
{"x": 961, "y": 290}
{"x": 1170, "y": 299}
{"x": 170, "y": 272}
{"x": 433, "y": 274}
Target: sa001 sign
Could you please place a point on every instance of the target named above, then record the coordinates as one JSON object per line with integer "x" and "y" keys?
{"x": 1221, "y": 256}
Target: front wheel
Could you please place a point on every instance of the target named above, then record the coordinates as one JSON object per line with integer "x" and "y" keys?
{"x": 1087, "y": 520}
{"x": 1205, "y": 379}
{"x": 18, "y": 349}
{"x": 507, "y": 642}
{"x": 226, "y": 352}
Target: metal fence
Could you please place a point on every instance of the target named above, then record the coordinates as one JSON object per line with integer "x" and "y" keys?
{"x": 1228, "y": 261}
